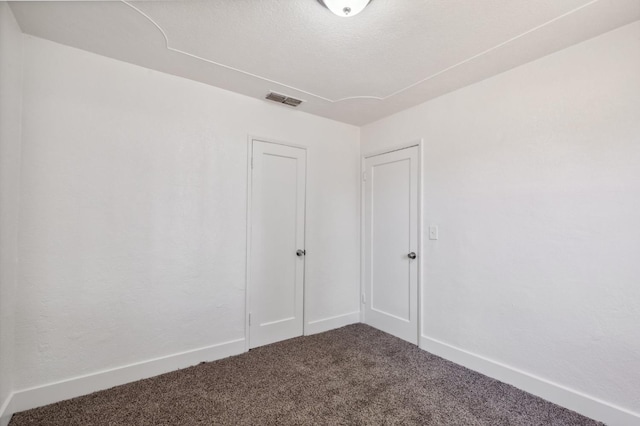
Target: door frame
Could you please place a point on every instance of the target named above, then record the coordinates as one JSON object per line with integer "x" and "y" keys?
{"x": 247, "y": 302}
{"x": 415, "y": 143}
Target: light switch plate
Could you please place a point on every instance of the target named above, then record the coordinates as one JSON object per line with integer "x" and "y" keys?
{"x": 433, "y": 232}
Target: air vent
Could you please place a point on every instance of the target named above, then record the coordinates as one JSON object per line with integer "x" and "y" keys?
{"x": 275, "y": 97}
{"x": 283, "y": 99}
{"x": 293, "y": 102}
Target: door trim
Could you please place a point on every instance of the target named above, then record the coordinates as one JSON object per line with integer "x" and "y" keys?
{"x": 247, "y": 300}
{"x": 363, "y": 295}
{"x": 418, "y": 143}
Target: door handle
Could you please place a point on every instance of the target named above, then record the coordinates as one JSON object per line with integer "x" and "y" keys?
{"x": 301, "y": 253}
{"x": 412, "y": 255}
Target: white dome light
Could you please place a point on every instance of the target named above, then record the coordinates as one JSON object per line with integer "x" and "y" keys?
{"x": 345, "y": 8}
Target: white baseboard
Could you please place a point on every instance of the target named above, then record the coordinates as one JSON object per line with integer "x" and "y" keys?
{"x": 47, "y": 394}
{"x": 6, "y": 411}
{"x": 574, "y": 400}
{"x": 326, "y": 324}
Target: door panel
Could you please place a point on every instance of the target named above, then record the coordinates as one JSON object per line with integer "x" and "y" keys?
{"x": 391, "y": 233}
{"x": 277, "y": 232}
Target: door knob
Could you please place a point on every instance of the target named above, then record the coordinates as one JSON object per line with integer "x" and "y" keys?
{"x": 412, "y": 255}
{"x": 301, "y": 253}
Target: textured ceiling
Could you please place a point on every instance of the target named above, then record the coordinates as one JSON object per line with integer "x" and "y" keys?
{"x": 393, "y": 55}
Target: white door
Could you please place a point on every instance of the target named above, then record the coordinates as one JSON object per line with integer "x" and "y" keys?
{"x": 391, "y": 243}
{"x": 276, "y": 260}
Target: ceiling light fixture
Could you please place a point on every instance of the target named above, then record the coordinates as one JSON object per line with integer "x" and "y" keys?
{"x": 345, "y": 8}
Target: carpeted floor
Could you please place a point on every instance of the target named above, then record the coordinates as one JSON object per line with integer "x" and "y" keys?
{"x": 353, "y": 375}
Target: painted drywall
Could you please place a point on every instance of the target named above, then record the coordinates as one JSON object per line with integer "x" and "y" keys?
{"x": 10, "y": 107}
{"x": 533, "y": 177}
{"x": 133, "y": 221}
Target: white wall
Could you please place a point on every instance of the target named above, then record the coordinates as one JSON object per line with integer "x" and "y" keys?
{"x": 533, "y": 177}
{"x": 133, "y": 187}
{"x": 10, "y": 107}
{"x": 133, "y": 225}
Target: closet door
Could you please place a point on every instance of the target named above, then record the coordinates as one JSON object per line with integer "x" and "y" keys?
{"x": 391, "y": 243}
{"x": 276, "y": 272}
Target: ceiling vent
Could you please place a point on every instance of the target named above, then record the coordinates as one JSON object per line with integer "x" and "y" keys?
{"x": 283, "y": 99}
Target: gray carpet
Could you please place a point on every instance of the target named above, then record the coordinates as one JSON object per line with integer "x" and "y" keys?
{"x": 353, "y": 375}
